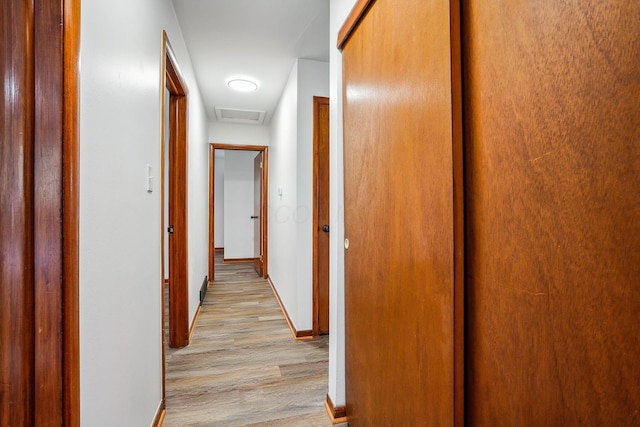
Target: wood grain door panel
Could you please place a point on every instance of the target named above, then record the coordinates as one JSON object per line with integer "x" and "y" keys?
{"x": 399, "y": 216}
{"x": 17, "y": 309}
{"x": 552, "y": 161}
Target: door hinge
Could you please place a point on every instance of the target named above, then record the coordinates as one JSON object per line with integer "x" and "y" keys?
{"x": 170, "y": 229}
{"x": 261, "y": 260}
{"x": 260, "y": 165}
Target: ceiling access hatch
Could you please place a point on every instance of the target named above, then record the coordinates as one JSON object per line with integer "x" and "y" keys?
{"x": 234, "y": 115}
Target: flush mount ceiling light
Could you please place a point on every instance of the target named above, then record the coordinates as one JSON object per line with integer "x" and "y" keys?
{"x": 242, "y": 85}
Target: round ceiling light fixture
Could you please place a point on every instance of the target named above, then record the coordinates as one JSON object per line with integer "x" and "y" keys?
{"x": 242, "y": 85}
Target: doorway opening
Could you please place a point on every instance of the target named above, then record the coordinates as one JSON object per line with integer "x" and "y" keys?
{"x": 173, "y": 196}
{"x": 259, "y": 216}
{"x": 321, "y": 214}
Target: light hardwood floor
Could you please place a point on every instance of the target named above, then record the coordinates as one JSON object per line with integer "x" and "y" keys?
{"x": 243, "y": 368}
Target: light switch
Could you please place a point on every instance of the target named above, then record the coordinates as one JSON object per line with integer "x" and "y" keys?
{"x": 149, "y": 179}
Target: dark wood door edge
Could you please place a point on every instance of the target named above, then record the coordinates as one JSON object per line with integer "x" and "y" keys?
{"x": 357, "y": 13}
{"x": 70, "y": 213}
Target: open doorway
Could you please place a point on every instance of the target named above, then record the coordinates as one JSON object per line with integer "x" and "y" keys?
{"x": 173, "y": 196}
{"x": 321, "y": 227}
{"x": 258, "y": 216}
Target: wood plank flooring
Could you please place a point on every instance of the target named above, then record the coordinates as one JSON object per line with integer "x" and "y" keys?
{"x": 243, "y": 367}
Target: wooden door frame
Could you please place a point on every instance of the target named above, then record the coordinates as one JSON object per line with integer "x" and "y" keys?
{"x": 71, "y": 212}
{"x": 42, "y": 210}
{"x": 264, "y": 205}
{"x": 173, "y": 81}
{"x": 258, "y": 263}
{"x": 317, "y": 101}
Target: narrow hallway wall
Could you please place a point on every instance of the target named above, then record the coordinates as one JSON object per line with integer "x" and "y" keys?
{"x": 230, "y": 134}
{"x": 290, "y": 189}
{"x": 120, "y": 259}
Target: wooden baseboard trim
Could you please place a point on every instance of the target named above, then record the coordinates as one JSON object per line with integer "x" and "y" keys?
{"x": 193, "y": 323}
{"x": 232, "y": 260}
{"x": 305, "y": 334}
{"x": 297, "y": 335}
{"x": 337, "y": 414}
{"x": 160, "y": 414}
{"x": 218, "y": 249}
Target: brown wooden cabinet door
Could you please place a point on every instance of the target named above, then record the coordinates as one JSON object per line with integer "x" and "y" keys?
{"x": 399, "y": 216}
{"x": 552, "y": 181}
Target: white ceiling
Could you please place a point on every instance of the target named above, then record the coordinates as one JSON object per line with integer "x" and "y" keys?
{"x": 259, "y": 39}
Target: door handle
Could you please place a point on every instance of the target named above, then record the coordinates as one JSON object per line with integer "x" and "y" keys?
{"x": 325, "y": 228}
{"x": 254, "y": 217}
{"x": 170, "y": 229}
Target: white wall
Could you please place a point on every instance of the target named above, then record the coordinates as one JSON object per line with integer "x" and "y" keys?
{"x": 231, "y": 134}
{"x": 339, "y": 11}
{"x": 120, "y": 257}
{"x": 218, "y": 204}
{"x": 198, "y": 169}
{"x": 238, "y": 204}
{"x": 282, "y": 175}
{"x": 291, "y": 169}
{"x": 238, "y": 134}
{"x": 313, "y": 80}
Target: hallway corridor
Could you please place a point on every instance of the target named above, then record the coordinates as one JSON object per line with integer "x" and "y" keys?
{"x": 243, "y": 367}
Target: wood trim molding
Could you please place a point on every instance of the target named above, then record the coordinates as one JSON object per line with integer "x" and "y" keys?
{"x": 237, "y": 260}
{"x": 178, "y": 195}
{"x": 357, "y": 13}
{"x": 314, "y": 221}
{"x": 306, "y": 334}
{"x": 217, "y": 146}
{"x": 219, "y": 249}
{"x": 265, "y": 205}
{"x": 315, "y": 226}
{"x": 160, "y": 414}
{"x": 70, "y": 214}
{"x": 194, "y": 322}
{"x": 212, "y": 184}
{"x": 337, "y": 414}
{"x": 39, "y": 305}
{"x": 265, "y": 212}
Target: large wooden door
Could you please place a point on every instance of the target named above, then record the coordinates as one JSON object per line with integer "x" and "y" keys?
{"x": 552, "y": 168}
{"x": 257, "y": 214}
{"x": 321, "y": 215}
{"x": 399, "y": 126}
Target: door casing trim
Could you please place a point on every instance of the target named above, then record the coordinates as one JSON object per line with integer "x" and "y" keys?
{"x": 264, "y": 208}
